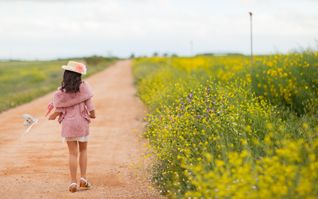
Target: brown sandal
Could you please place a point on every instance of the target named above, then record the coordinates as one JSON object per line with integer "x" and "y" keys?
{"x": 73, "y": 187}
{"x": 84, "y": 183}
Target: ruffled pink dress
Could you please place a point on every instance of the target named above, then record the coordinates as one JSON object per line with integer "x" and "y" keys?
{"x": 75, "y": 108}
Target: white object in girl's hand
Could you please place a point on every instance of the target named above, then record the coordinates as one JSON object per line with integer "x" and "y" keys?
{"x": 29, "y": 121}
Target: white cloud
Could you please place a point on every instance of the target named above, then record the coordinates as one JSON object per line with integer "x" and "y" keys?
{"x": 34, "y": 29}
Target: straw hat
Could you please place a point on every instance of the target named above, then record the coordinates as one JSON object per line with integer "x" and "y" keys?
{"x": 75, "y": 67}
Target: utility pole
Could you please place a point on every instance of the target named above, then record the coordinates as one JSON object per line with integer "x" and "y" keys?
{"x": 251, "y": 30}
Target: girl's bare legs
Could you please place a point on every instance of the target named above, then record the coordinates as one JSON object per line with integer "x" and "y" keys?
{"x": 83, "y": 158}
{"x": 72, "y": 148}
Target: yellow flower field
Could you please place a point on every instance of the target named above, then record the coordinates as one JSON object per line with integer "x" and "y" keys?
{"x": 221, "y": 128}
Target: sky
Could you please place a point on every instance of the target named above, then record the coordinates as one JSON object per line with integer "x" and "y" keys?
{"x": 49, "y": 29}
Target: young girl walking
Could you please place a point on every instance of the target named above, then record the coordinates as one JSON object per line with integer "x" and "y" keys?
{"x": 74, "y": 109}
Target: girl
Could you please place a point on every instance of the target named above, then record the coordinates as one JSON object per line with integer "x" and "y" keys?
{"x": 73, "y": 105}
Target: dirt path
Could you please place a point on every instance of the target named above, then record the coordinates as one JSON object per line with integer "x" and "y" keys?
{"x": 36, "y": 165}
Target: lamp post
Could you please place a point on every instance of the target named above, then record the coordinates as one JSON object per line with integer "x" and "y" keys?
{"x": 251, "y": 31}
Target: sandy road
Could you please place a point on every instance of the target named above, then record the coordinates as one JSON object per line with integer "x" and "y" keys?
{"x": 36, "y": 165}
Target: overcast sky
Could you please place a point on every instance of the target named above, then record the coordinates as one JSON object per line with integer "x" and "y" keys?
{"x": 45, "y": 29}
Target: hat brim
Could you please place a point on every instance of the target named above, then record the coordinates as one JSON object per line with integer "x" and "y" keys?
{"x": 71, "y": 69}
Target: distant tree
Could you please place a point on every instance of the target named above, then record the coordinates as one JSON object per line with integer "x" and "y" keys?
{"x": 155, "y": 54}
{"x": 132, "y": 56}
{"x": 174, "y": 55}
{"x": 205, "y": 54}
{"x": 234, "y": 54}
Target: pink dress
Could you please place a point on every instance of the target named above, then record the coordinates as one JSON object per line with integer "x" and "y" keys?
{"x": 75, "y": 108}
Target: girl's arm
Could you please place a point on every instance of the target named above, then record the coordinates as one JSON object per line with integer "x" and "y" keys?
{"x": 90, "y": 108}
{"x": 54, "y": 115}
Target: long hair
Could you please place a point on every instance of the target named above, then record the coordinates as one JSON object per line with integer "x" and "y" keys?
{"x": 71, "y": 82}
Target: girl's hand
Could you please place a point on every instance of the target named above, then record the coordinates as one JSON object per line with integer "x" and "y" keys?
{"x": 92, "y": 114}
{"x": 54, "y": 115}
{"x": 49, "y": 108}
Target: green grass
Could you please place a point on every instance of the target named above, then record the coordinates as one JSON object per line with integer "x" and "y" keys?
{"x": 23, "y": 81}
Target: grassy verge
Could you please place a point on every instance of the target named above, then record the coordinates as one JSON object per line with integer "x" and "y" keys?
{"x": 22, "y": 81}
